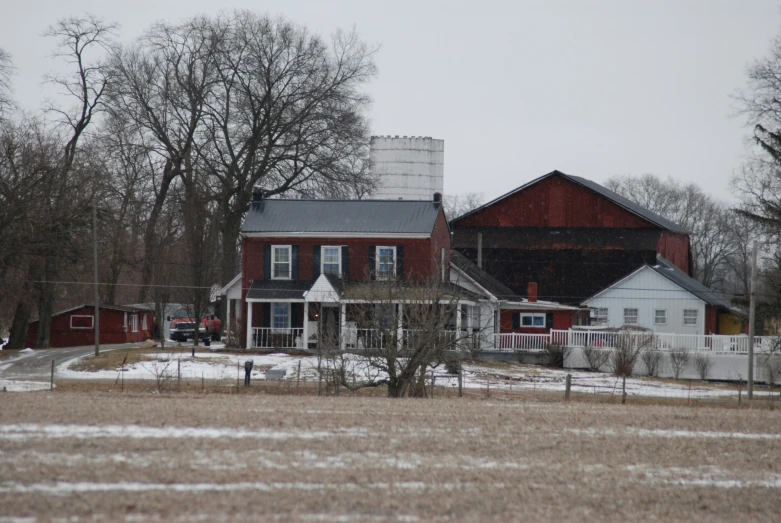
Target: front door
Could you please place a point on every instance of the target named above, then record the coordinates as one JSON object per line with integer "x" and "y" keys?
{"x": 330, "y": 334}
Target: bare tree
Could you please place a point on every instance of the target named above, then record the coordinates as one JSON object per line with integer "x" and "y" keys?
{"x": 627, "y": 349}
{"x": 6, "y": 70}
{"x": 678, "y": 359}
{"x": 400, "y": 330}
{"x": 460, "y": 204}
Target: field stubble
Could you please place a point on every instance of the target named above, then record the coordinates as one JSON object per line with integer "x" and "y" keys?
{"x": 97, "y": 455}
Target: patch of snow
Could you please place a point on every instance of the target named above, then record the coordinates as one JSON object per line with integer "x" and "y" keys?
{"x": 28, "y": 349}
{"x": 667, "y": 433}
{"x": 25, "y": 431}
{"x": 23, "y": 386}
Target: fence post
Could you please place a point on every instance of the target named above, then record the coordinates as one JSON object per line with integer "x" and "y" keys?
{"x": 179, "y": 375}
{"x": 488, "y": 385}
{"x": 51, "y": 385}
{"x": 238, "y": 376}
{"x": 623, "y": 391}
{"x": 460, "y": 383}
{"x": 567, "y": 386}
{"x": 203, "y": 385}
{"x": 298, "y": 376}
{"x": 433, "y": 379}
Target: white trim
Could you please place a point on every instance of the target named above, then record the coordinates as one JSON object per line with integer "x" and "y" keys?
{"x": 696, "y": 318}
{"x": 532, "y": 315}
{"x": 91, "y": 327}
{"x": 274, "y": 249}
{"x": 322, "y": 258}
{"x": 144, "y": 322}
{"x": 272, "y": 300}
{"x": 485, "y": 291}
{"x": 665, "y": 316}
{"x": 368, "y": 235}
{"x": 535, "y": 305}
{"x": 224, "y": 290}
{"x": 637, "y": 315}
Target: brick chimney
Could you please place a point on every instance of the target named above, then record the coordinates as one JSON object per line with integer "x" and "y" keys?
{"x": 531, "y": 291}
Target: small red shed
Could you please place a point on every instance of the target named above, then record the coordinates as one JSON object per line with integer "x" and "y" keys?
{"x": 76, "y": 326}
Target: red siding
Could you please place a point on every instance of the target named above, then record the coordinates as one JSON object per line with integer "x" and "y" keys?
{"x": 562, "y": 320}
{"x": 112, "y": 329}
{"x": 711, "y": 320}
{"x": 675, "y": 247}
{"x": 555, "y": 202}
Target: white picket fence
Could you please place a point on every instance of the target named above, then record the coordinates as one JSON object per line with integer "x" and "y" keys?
{"x": 713, "y": 343}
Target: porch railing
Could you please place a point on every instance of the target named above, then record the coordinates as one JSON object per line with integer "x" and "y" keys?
{"x": 270, "y": 338}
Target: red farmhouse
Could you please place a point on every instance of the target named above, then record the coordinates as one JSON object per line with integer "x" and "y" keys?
{"x": 571, "y": 235}
{"x": 75, "y": 327}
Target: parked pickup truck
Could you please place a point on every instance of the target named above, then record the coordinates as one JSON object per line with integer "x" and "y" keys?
{"x": 183, "y": 326}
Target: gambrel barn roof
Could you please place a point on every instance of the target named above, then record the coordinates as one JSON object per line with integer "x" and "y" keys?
{"x": 615, "y": 198}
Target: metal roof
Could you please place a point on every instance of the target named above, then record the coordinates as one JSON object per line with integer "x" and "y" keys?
{"x": 278, "y": 289}
{"x": 341, "y": 216}
{"x": 485, "y": 280}
{"x": 619, "y": 200}
{"x": 665, "y": 268}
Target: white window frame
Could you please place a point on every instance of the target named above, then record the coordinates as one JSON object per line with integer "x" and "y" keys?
{"x": 532, "y": 317}
{"x": 599, "y": 319}
{"x": 274, "y": 249}
{"x": 134, "y": 323}
{"x": 696, "y": 317}
{"x": 339, "y": 257}
{"x": 144, "y": 324}
{"x": 287, "y": 306}
{"x": 656, "y": 316}
{"x": 377, "y": 262}
{"x": 636, "y": 315}
{"x": 92, "y": 326}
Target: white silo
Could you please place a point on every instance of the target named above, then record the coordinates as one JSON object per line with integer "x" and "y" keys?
{"x": 409, "y": 168}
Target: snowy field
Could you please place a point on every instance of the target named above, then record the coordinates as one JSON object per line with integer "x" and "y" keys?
{"x": 218, "y": 457}
{"x": 498, "y": 377}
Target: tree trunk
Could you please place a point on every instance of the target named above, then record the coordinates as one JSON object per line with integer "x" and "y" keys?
{"x": 45, "y": 312}
{"x": 20, "y": 324}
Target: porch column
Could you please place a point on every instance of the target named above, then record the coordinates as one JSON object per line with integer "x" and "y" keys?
{"x": 249, "y": 324}
{"x": 458, "y": 318}
{"x": 400, "y": 325}
{"x": 342, "y": 325}
{"x": 227, "y": 324}
{"x": 306, "y": 325}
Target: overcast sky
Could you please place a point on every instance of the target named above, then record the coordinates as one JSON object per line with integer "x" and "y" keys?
{"x": 517, "y": 88}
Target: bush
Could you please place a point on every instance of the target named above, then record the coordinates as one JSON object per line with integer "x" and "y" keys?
{"x": 652, "y": 360}
{"x": 703, "y": 364}
{"x": 556, "y": 354}
{"x": 678, "y": 360}
{"x": 627, "y": 350}
{"x": 596, "y": 357}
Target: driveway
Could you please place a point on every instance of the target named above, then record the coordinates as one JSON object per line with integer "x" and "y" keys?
{"x": 37, "y": 365}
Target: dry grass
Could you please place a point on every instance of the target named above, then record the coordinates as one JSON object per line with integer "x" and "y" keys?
{"x": 374, "y": 459}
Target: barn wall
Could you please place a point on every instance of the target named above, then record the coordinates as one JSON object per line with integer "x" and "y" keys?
{"x": 112, "y": 329}
{"x": 675, "y": 247}
{"x": 555, "y": 202}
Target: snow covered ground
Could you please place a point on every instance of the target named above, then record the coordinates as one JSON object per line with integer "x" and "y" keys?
{"x": 22, "y": 386}
{"x": 499, "y": 377}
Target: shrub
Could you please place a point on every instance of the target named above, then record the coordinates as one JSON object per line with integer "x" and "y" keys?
{"x": 627, "y": 350}
{"x": 703, "y": 364}
{"x": 596, "y": 357}
{"x": 678, "y": 360}
{"x": 556, "y": 354}
{"x": 651, "y": 359}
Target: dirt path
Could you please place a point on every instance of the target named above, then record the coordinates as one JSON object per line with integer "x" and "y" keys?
{"x": 220, "y": 457}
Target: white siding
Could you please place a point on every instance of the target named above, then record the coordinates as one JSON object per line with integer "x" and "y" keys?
{"x": 647, "y": 291}
{"x": 322, "y": 291}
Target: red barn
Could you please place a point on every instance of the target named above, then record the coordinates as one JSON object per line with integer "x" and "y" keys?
{"x": 570, "y": 235}
{"x": 75, "y": 327}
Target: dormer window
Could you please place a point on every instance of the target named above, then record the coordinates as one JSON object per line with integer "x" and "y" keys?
{"x": 386, "y": 263}
{"x": 280, "y": 262}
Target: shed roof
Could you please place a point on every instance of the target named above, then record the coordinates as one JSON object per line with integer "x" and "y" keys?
{"x": 278, "y": 289}
{"x": 341, "y": 216}
{"x": 616, "y": 198}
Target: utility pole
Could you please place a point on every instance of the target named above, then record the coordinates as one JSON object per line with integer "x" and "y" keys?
{"x": 95, "y": 267}
{"x": 751, "y": 312}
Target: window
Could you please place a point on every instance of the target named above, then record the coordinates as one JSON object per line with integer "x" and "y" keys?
{"x": 144, "y": 325}
{"x": 331, "y": 261}
{"x": 82, "y": 322}
{"x": 533, "y": 320}
{"x": 690, "y": 316}
{"x": 281, "y": 316}
{"x": 660, "y": 317}
{"x": 630, "y": 316}
{"x": 386, "y": 263}
{"x": 134, "y": 323}
{"x": 280, "y": 262}
{"x": 600, "y": 316}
